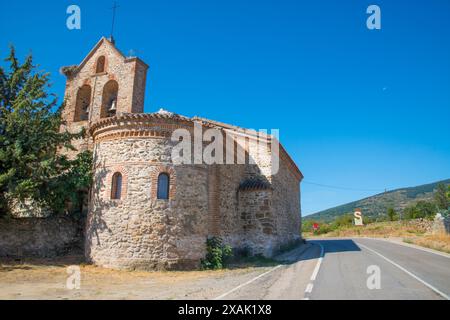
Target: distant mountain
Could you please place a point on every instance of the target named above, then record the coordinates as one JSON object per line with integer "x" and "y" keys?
{"x": 377, "y": 205}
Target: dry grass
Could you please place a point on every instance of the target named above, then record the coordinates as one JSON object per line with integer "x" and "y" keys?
{"x": 46, "y": 279}
{"x": 35, "y": 272}
{"x": 409, "y": 231}
{"x": 378, "y": 229}
{"x": 440, "y": 242}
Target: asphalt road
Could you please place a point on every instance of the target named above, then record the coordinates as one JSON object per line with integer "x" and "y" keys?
{"x": 349, "y": 269}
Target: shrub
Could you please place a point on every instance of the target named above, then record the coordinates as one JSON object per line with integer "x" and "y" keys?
{"x": 369, "y": 220}
{"x": 307, "y": 225}
{"x": 323, "y": 228}
{"x": 345, "y": 220}
{"x": 445, "y": 213}
{"x": 392, "y": 215}
{"x": 441, "y": 197}
{"x": 422, "y": 209}
{"x": 216, "y": 254}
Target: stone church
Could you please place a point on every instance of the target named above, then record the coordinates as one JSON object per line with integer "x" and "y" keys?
{"x": 147, "y": 212}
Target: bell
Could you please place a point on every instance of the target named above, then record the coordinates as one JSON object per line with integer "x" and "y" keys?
{"x": 113, "y": 106}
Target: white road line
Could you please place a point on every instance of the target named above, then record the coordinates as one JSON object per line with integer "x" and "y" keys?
{"x": 319, "y": 263}
{"x": 309, "y": 288}
{"x": 247, "y": 283}
{"x": 442, "y": 254}
{"x": 408, "y": 272}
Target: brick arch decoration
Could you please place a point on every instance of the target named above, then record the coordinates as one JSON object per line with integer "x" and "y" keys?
{"x": 103, "y": 60}
{"x": 82, "y": 103}
{"x": 110, "y": 92}
{"x": 110, "y": 174}
{"x": 154, "y": 181}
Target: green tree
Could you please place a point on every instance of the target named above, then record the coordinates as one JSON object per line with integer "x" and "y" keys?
{"x": 441, "y": 197}
{"x": 421, "y": 209}
{"x": 410, "y": 212}
{"x": 391, "y": 214}
{"x": 30, "y": 121}
{"x": 369, "y": 220}
{"x": 446, "y": 213}
{"x": 344, "y": 220}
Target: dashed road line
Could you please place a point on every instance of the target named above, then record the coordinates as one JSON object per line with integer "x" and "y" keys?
{"x": 310, "y": 285}
{"x": 308, "y": 288}
{"x": 319, "y": 263}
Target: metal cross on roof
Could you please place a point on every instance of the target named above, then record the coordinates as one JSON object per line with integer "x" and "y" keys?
{"x": 113, "y": 19}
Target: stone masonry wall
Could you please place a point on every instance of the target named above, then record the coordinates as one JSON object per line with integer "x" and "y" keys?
{"x": 232, "y": 227}
{"x": 262, "y": 220}
{"x": 286, "y": 204}
{"x": 39, "y": 237}
{"x": 440, "y": 225}
{"x": 140, "y": 231}
{"x": 258, "y": 221}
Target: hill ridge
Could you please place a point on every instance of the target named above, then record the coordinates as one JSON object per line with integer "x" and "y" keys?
{"x": 376, "y": 205}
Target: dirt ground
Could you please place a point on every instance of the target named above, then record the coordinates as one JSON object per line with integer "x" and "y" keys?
{"x": 47, "y": 279}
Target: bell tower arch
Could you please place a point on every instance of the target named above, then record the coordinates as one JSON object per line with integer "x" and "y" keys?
{"x": 105, "y": 84}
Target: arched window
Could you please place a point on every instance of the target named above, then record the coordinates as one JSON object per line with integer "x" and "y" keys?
{"x": 116, "y": 186}
{"x": 163, "y": 186}
{"x": 109, "y": 99}
{"x": 82, "y": 103}
{"x": 100, "y": 67}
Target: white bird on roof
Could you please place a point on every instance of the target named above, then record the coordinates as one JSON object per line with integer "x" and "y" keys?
{"x": 165, "y": 112}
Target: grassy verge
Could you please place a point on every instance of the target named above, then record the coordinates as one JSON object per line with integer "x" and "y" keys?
{"x": 385, "y": 229}
{"x": 440, "y": 242}
{"x": 409, "y": 231}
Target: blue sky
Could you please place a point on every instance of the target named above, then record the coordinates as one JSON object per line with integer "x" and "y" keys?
{"x": 361, "y": 109}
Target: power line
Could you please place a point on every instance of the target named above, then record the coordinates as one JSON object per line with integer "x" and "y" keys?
{"x": 343, "y": 188}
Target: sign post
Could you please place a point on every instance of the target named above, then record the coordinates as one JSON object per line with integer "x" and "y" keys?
{"x": 358, "y": 217}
